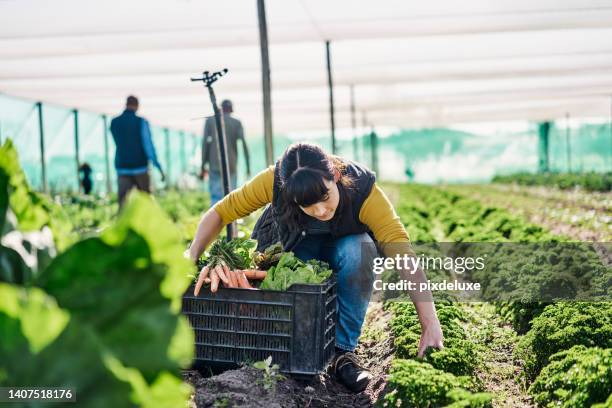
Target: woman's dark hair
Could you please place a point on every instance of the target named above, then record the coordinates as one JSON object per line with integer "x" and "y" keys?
{"x": 303, "y": 168}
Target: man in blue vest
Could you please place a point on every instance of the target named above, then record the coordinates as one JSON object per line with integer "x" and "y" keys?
{"x": 134, "y": 150}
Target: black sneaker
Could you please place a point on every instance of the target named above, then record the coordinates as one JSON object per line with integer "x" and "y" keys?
{"x": 350, "y": 373}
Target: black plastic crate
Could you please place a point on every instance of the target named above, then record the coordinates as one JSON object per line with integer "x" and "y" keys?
{"x": 296, "y": 327}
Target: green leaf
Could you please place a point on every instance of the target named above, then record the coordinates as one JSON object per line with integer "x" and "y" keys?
{"x": 40, "y": 320}
{"x": 143, "y": 216}
{"x": 291, "y": 269}
{"x": 165, "y": 391}
{"x": 115, "y": 289}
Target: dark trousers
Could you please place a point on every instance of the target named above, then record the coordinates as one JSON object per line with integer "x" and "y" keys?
{"x": 126, "y": 183}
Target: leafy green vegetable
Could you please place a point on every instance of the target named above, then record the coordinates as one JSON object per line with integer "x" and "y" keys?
{"x": 291, "y": 269}
{"x": 575, "y": 378}
{"x": 416, "y": 384}
{"x": 590, "y": 181}
{"x": 269, "y": 257}
{"x": 103, "y": 317}
{"x": 236, "y": 254}
{"x": 459, "y": 356}
{"x": 561, "y": 326}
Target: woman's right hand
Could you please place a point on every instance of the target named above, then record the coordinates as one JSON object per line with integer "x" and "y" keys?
{"x": 209, "y": 227}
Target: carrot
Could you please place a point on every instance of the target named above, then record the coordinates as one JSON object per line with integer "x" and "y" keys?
{"x": 231, "y": 276}
{"x": 221, "y": 274}
{"x": 243, "y": 282}
{"x": 214, "y": 280}
{"x": 201, "y": 279}
{"x": 254, "y": 273}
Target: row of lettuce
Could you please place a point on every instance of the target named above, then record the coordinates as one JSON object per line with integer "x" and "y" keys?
{"x": 89, "y": 215}
{"x": 98, "y": 314}
{"x": 590, "y": 181}
{"x": 566, "y": 349}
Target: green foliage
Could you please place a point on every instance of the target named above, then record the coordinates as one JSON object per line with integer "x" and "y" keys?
{"x": 459, "y": 355}
{"x": 575, "y": 378}
{"x": 181, "y": 205}
{"x": 269, "y": 257}
{"x": 270, "y": 373}
{"x": 291, "y": 269}
{"x": 88, "y": 214}
{"x": 521, "y": 277}
{"x": 185, "y": 208}
{"x": 589, "y": 181}
{"x": 524, "y": 278}
{"x": 417, "y": 220}
{"x": 417, "y": 384}
{"x": 103, "y": 317}
{"x": 465, "y": 399}
{"x": 236, "y": 254}
{"x": 561, "y": 326}
{"x": 32, "y": 210}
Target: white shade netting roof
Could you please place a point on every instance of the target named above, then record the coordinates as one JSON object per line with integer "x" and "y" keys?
{"x": 412, "y": 64}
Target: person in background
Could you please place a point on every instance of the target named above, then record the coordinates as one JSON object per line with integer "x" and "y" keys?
{"x": 210, "y": 158}
{"x": 85, "y": 174}
{"x": 135, "y": 150}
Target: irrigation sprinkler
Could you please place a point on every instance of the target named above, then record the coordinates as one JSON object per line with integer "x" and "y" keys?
{"x": 209, "y": 79}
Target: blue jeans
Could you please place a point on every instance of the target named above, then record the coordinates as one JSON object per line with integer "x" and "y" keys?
{"x": 215, "y": 186}
{"x": 349, "y": 259}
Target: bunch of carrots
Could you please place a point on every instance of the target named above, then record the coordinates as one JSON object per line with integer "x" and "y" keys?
{"x": 221, "y": 273}
{"x": 228, "y": 263}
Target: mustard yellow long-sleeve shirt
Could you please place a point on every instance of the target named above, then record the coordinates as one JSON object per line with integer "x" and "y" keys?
{"x": 377, "y": 212}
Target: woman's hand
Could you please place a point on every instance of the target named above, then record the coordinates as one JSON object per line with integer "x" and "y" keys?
{"x": 209, "y": 227}
{"x": 431, "y": 336}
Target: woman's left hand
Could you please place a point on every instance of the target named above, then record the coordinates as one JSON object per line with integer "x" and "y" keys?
{"x": 431, "y": 336}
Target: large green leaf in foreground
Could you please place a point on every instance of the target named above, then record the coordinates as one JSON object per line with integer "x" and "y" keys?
{"x": 103, "y": 317}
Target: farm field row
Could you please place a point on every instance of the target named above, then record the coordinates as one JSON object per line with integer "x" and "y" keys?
{"x": 579, "y": 215}
{"x": 549, "y": 346}
{"x": 590, "y": 181}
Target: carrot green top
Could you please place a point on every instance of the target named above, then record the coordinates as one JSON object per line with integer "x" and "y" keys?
{"x": 377, "y": 212}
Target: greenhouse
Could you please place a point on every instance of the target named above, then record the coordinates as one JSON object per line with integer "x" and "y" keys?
{"x": 197, "y": 200}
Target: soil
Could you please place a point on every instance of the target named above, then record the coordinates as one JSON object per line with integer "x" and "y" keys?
{"x": 243, "y": 387}
{"x": 499, "y": 371}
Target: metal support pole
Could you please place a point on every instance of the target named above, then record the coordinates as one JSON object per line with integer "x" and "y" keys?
{"x": 41, "y": 133}
{"x": 167, "y": 143}
{"x": 330, "y": 84}
{"x": 77, "y": 158}
{"x": 182, "y": 151}
{"x": 222, "y": 151}
{"x": 209, "y": 80}
{"x": 265, "y": 81}
{"x": 567, "y": 143}
{"x": 109, "y": 187}
{"x": 544, "y": 147}
{"x": 354, "y": 125}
